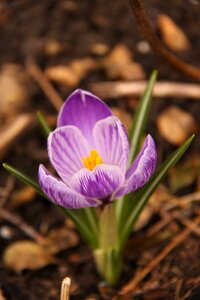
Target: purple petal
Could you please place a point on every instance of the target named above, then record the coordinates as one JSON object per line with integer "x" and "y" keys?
{"x": 66, "y": 148}
{"x": 59, "y": 193}
{"x": 83, "y": 109}
{"x": 99, "y": 183}
{"x": 111, "y": 142}
{"x": 142, "y": 168}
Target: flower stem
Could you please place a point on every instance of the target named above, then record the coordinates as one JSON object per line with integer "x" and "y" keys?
{"x": 107, "y": 256}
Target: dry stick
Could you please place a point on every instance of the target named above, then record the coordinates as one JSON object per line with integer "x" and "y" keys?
{"x": 19, "y": 126}
{"x": 5, "y": 192}
{"x": 161, "y": 89}
{"x": 128, "y": 288}
{"x": 158, "y": 226}
{"x": 190, "y": 225}
{"x": 145, "y": 27}
{"x": 65, "y": 289}
{"x": 44, "y": 83}
{"x": 17, "y": 221}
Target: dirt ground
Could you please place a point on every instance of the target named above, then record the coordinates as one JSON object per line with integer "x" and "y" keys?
{"x": 91, "y": 29}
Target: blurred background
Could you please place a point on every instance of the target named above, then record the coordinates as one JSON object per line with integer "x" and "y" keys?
{"x": 49, "y": 48}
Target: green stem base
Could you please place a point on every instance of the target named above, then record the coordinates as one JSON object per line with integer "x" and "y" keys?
{"x": 108, "y": 263}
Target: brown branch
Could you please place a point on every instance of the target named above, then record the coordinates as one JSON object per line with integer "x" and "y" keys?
{"x": 146, "y": 29}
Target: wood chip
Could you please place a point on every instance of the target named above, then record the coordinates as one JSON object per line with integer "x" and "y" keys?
{"x": 99, "y": 49}
{"x": 176, "y": 125}
{"x": 52, "y": 47}
{"x": 119, "y": 64}
{"x": 172, "y": 34}
{"x": 72, "y": 74}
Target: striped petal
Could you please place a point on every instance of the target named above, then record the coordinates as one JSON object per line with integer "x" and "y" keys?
{"x": 142, "y": 168}
{"x": 59, "y": 193}
{"x": 111, "y": 142}
{"x": 66, "y": 148}
{"x": 83, "y": 109}
{"x": 99, "y": 183}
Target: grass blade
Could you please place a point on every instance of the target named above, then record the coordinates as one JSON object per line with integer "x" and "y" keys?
{"x": 136, "y": 135}
{"x": 141, "y": 197}
{"x": 140, "y": 117}
{"x": 79, "y": 217}
{"x": 43, "y": 123}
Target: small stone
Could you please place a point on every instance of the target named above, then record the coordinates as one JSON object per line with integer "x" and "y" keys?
{"x": 143, "y": 47}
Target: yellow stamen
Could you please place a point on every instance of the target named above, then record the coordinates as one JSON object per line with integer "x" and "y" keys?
{"x": 92, "y": 160}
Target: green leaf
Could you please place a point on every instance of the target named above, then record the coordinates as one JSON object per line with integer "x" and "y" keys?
{"x": 25, "y": 179}
{"x": 140, "y": 199}
{"x": 79, "y": 217}
{"x": 136, "y": 135}
{"x": 44, "y": 124}
{"x": 140, "y": 118}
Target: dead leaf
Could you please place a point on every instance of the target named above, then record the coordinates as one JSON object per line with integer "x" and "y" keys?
{"x": 26, "y": 254}
{"x": 22, "y": 196}
{"x": 13, "y": 90}
{"x": 69, "y": 5}
{"x": 172, "y": 34}
{"x": 60, "y": 239}
{"x": 137, "y": 245}
{"x": 62, "y": 75}
{"x": 52, "y": 47}
{"x": 119, "y": 64}
{"x": 184, "y": 174}
{"x": 83, "y": 66}
{"x": 176, "y": 125}
{"x": 72, "y": 74}
{"x": 2, "y": 297}
{"x": 99, "y": 49}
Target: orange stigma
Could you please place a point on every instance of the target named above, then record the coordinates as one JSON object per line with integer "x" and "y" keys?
{"x": 92, "y": 160}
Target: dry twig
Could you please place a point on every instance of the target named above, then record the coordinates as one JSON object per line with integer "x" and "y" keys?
{"x": 16, "y": 129}
{"x": 132, "y": 284}
{"x": 145, "y": 27}
{"x": 65, "y": 289}
{"x": 17, "y": 221}
{"x": 162, "y": 89}
{"x": 44, "y": 83}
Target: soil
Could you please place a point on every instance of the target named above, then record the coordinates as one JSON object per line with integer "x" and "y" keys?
{"x": 25, "y": 25}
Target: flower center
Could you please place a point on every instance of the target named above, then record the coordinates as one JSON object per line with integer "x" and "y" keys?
{"x": 92, "y": 160}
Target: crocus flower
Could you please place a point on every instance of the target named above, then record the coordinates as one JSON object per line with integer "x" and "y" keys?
{"x": 89, "y": 150}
